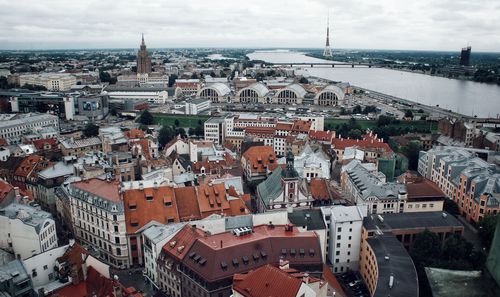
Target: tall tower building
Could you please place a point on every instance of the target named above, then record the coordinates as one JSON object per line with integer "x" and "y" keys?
{"x": 328, "y": 51}
{"x": 143, "y": 59}
{"x": 465, "y": 56}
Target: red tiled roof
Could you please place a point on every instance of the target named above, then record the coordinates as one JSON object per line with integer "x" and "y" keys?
{"x": 187, "y": 204}
{"x": 260, "y": 130}
{"x": 260, "y": 157}
{"x": 3, "y": 142}
{"x": 27, "y": 165}
{"x": 333, "y": 282}
{"x": 319, "y": 189}
{"x": 301, "y": 126}
{"x": 41, "y": 143}
{"x": 284, "y": 126}
{"x": 5, "y": 189}
{"x": 144, "y": 144}
{"x": 368, "y": 141}
{"x": 225, "y": 254}
{"x": 102, "y": 188}
{"x": 266, "y": 281}
{"x": 422, "y": 188}
{"x": 180, "y": 244}
{"x": 134, "y": 133}
{"x": 321, "y": 135}
{"x": 144, "y": 206}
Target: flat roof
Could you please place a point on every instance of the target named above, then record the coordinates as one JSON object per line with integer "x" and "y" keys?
{"x": 310, "y": 218}
{"x": 399, "y": 266}
{"x": 411, "y": 220}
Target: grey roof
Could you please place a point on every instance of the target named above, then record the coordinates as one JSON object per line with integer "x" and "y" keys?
{"x": 296, "y": 88}
{"x": 221, "y": 88}
{"x": 238, "y": 222}
{"x": 371, "y": 186}
{"x": 30, "y": 216}
{"x": 411, "y": 220}
{"x": 79, "y": 143}
{"x": 27, "y": 118}
{"x": 334, "y": 89}
{"x": 271, "y": 188}
{"x": 312, "y": 219}
{"x": 399, "y": 266}
{"x": 13, "y": 270}
{"x": 57, "y": 170}
{"x": 158, "y": 233}
{"x": 258, "y": 87}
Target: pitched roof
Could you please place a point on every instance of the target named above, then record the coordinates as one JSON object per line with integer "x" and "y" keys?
{"x": 320, "y": 190}
{"x": 266, "y": 281}
{"x": 5, "y": 189}
{"x": 187, "y": 204}
{"x": 301, "y": 126}
{"x": 41, "y": 143}
{"x": 369, "y": 141}
{"x": 150, "y": 204}
{"x": 102, "y": 188}
{"x": 261, "y": 158}
{"x": 220, "y": 256}
{"x": 321, "y": 135}
{"x": 180, "y": 244}
{"x": 421, "y": 188}
{"x": 134, "y": 133}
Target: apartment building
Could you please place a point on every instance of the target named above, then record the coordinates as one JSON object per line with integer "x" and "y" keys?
{"x": 465, "y": 178}
{"x": 14, "y": 126}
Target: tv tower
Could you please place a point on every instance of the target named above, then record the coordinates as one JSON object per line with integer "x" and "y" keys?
{"x": 328, "y": 51}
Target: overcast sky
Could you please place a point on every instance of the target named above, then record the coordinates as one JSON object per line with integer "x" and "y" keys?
{"x": 365, "y": 24}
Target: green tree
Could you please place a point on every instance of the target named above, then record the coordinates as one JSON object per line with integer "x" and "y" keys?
{"x": 199, "y": 131}
{"x": 171, "y": 80}
{"x": 486, "y": 229}
{"x": 191, "y": 131}
{"x": 355, "y": 134}
{"x": 176, "y": 122}
{"x": 146, "y": 118}
{"x": 409, "y": 114}
{"x": 384, "y": 120}
{"x": 425, "y": 247}
{"x": 303, "y": 80}
{"x": 165, "y": 135}
{"x": 451, "y": 207}
{"x": 90, "y": 130}
{"x": 455, "y": 247}
{"x": 412, "y": 151}
{"x": 357, "y": 109}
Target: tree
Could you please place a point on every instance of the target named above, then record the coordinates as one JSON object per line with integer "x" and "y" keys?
{"x": 456, "y": 248}
{"x": 191, "y": 131}
{"x": 171, "y": 80}
{"x": 91, "y": 130}
{"x": 176, "y": 122}
{"x": 166, "y": 134}
{"x": 384, "y": 120}
{"x": 425, "y": 247}
{"x": 355, "y": 134}
{"x": 409, "y": 114}
{"x": 199, "y": 131}
{"x": 451, "y": 207}
{"x": 146, "y": 118}
{"x": 303, "y": 80}
{"x": 181, "y": 132}
{"x": 357, "y": 109}
{"x": 412, "y": 151}
{"x": 486, "y": 229}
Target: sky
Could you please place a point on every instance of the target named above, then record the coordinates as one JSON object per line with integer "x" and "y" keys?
{"x": 363, "y": 24}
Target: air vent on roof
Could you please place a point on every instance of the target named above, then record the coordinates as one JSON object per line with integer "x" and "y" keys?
{"x": 196, "y": 258}
{"x": 292, "y": 252}
{"x": 242, "y": 231}
{"x": 235, "y": 262}
{"x": 255, "y": 257}
{"x": 263, "y": 254}
{"x": 311, "y": 252}
{"x": 283, "y": 252}
{"x": 391, "y": 282}
{"x": 202, "y": 261}
{"x": 302, "y": 252}
{"x": 245, "y": 259}
{"x": 180, "y": 249}
{"x": 192, "y": 254}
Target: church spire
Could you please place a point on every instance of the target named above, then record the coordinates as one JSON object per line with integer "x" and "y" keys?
{"x": 142, "y": 43}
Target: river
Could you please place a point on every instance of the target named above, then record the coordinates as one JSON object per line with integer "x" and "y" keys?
{"x": 465, "y": 97}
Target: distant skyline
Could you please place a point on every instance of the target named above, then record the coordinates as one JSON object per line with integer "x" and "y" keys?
{"x": 437, "y": 25}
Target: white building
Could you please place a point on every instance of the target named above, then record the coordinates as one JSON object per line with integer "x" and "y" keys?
{"x": 26, "y": 231}
{"x": 344, "y": 225}
{"x": 214, "y": 130}
{"x": 154, "y": 238}
{"x": 13, "y": 127}
{"x": 98, "y": 219}
{"x": 41, "y": 267}
{"x": 311, "y": 163}
{"x": 195, "y": 106}
{"x": 51, "y": 81}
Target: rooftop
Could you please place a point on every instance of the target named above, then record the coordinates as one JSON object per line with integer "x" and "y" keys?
{"x": 398, "y": 267}
{"x": 107, "y": 190}
{"x": 411, "y": 220}
{"x": 28, "y": 215}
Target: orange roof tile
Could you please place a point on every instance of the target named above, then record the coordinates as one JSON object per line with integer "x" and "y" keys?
{"x": 180, "y": 244}
{"x": 144, "y": 206}
{"x": 102, "y": 188}
{"x": 322, "y": 135}
{"x": 134, "y": 133}
{"x": 260, "y": 157}
{"x": 187, "y": 204}
{"x": 40, "y": 144}
{"x": 301, "y": 126}
{"x": 5, "y": 189}
{"x": 266, "y": 281}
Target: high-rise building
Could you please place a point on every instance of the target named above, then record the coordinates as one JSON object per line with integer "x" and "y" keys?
{"x": 143, "y": 59}
{"x": 465, "y": 56}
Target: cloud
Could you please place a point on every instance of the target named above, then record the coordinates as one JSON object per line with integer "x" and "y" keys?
{"x": 394, "y": 24}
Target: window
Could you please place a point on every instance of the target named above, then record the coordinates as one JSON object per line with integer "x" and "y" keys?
{"x": 117, "y": 240}
{"x": 118, "y": 251}
{"x": 338, "y": 244}
{"x": 45, "y": 267}
{"x": 338, "y": 237}
{"x": 337, "y": 253}
{"x": 339, "y": 229}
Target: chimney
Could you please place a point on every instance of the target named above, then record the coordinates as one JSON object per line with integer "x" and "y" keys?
{"x": 305, "y": 278}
